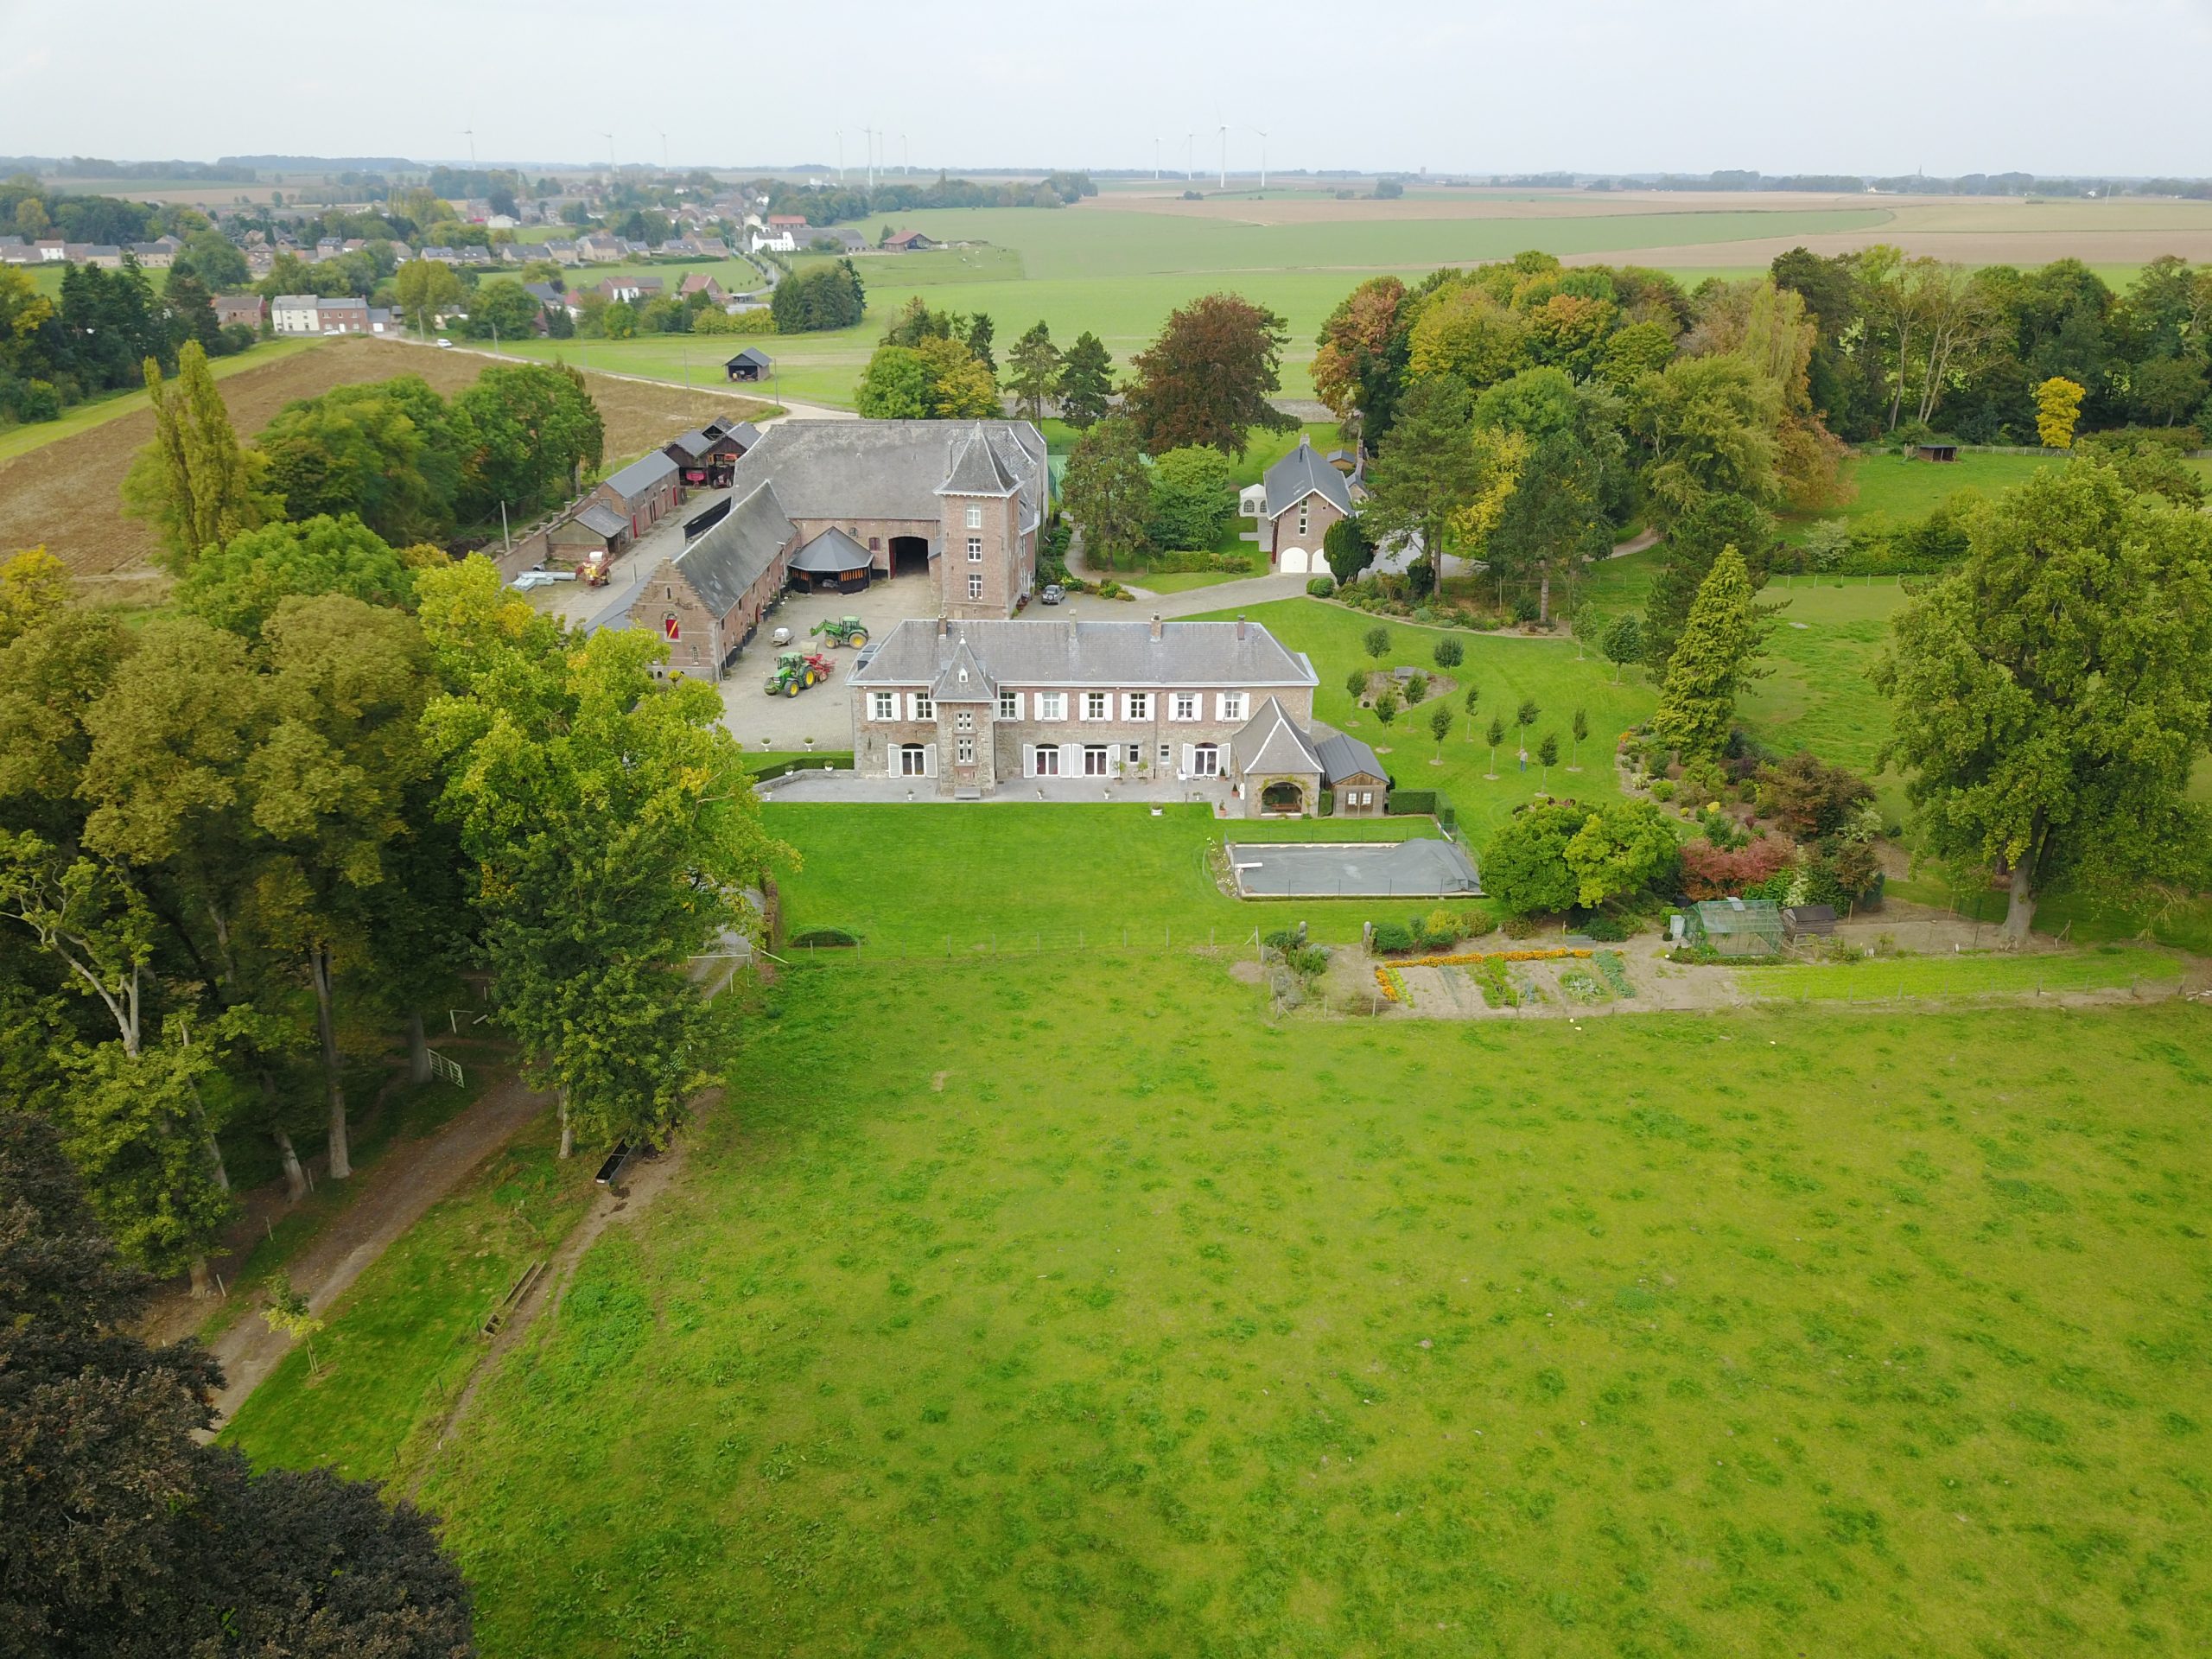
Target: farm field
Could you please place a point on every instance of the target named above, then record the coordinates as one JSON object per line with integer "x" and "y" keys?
{"x": 1118, "y": 264}
{"x": 1108, "y": 1318}
{"x": 65, "y": 493}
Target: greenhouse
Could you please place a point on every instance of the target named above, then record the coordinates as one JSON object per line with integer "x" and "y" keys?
{"x": 1737, "y": 927}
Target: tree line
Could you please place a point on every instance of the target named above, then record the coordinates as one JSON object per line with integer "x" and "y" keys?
{"x": 333, "y": 777}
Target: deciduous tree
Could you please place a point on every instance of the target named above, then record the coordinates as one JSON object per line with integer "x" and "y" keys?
{"x": 1208, "y": 378}
{"x": 1107, "y": 492}
{"x": 192, "y": 482}
{"x": 2058, "y": 406}
{"x": 2050, "y": 697}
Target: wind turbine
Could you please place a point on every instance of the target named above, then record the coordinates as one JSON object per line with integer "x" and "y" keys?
{"x": 469, "y": 133}
{"x": 613, "y": 167}
{"x": 906, "y": 157}
{"x": 1224, "y": 146}
{"x": 1264, "y": 159}
{"x": 1189, "y": 140}
{"x": 1155, "y": 158}
{"x": 664, "y": 148}
{"x": 840, "y": 154}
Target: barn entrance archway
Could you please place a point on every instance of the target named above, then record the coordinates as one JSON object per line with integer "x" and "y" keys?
{"x": 910, "y": 556}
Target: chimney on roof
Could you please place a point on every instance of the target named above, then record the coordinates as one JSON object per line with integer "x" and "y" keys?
{"x": 944, "y": 627}
{"x": 1155, "y": 624}
{"x": 1070, "y": 633}
{"x": 1240, "y": 628}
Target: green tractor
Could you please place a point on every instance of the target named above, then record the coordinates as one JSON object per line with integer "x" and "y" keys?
{"x": 795, "y": 671}
{"x": 840, "y": 631}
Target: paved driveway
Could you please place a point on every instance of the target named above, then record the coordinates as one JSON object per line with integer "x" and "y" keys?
{"x": 825, "y": 713}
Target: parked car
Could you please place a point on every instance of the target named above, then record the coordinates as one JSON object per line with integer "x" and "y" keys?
{"x": 1053, "y": 594}
{"x": 444, "y": 345}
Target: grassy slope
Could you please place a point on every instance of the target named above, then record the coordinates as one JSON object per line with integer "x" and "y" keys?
{"x": 98, "y": 411}
{"x": 1103, "y": 1317}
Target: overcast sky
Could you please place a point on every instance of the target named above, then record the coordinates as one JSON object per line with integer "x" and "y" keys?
{"x": 1879, "y": 86}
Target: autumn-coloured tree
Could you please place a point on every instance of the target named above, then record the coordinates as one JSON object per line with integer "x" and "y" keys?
{"x": 1362, "y": 356}
{"x": 2058, "y": 406}
{"x": 1208, "y": 378}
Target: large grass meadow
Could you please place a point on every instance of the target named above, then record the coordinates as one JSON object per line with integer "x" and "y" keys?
{"x": 1036, "y": 1308}
{"x": 1119, "y": 274}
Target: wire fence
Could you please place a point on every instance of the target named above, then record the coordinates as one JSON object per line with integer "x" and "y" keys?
{"x": 1134, "y": 939}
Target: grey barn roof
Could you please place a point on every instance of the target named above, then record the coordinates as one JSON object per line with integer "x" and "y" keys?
{"x": 603, "y": 518}
{"x": 1089, "y": 653}
{"x": 730, "y": 558}
{"x": 1270, "y": 741}
{"x": 1345, "y": 757}
{"x": 888, "y": 469}
{"x": 831, "y": 554}
{"x": 1301, "y": 473}
{"x": 641, "y": 475}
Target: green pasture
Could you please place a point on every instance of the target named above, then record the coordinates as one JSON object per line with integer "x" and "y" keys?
{"x": 98, "y": 411}
{"x": 1874, "y": 979}
{"x": 1898, "y": 490}
{"x": 1074, "y": 1308}
{"x": 1119, "y": 274}
{"x": 399, "y": 1344}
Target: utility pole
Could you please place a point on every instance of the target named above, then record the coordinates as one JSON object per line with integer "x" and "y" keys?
{"x": 506, "y": 540}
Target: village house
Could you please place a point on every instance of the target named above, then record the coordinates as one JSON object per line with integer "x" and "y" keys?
{"x": 698, "y": 281}
{"x": 600, "y": 249}
{"x": 245, "y": 310}
{"x": 561, "y": 250}
{"x": 972, "y": 706}
{"x": 908, "y": 242}
{"x": 634, "y": 290}
{"x": 1301, "y": 496}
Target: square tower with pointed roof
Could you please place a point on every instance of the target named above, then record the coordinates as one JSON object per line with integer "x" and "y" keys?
{"x": 989, "y": 561}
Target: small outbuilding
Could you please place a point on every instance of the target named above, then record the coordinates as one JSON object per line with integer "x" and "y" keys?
{"x": 1809, "y": 921}
{"x": 1357, "y": 786}
{"x": 1934, "y": 452}
{"x": 1737, "y": 927}
{"x": 593, "y": 536}
{"x": 832, "y": 563}
{"x": 706, "y": 458}
{"x": 750, "y": 365}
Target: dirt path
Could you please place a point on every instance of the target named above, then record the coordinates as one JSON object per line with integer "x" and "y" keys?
{"x": 643, "y": 1181}
{"x": 402, "y": 1186}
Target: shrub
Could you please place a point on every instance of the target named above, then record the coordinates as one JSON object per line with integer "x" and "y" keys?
{"x": 1711, "y": 871}
{"x": 1524, "y": 867}
{"x": 1285, "y": 939}
{"x": 1411, "y": 804}
{"x": 1321, "y": 587}
{"x": 1449, "y": 653}
{"x": 1393, "y": 936}
{"x": 1522, "y": 927}
{"x": 1662, "y": 788}
{"x": 1440, "y": 929}
{"x": 1308, "y": 961}
{"x": 1604, "y": 926}
{"x": 822, "y": 937}
{"x": 1808, "y": 797}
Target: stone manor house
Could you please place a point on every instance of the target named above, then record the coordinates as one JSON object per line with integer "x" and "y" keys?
{"x": 958, "y": 504}
{"x": 965, "y": 709}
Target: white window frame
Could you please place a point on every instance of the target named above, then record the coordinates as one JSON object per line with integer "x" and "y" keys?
{"x": 1137, "y": 705}
{"x": 1167, "y": 754}
{"x": 913, "y": 761}
{"x": 883, "y": 705}
{"x": 1231, "y": 704}
{"x": 1100, "y": 755}
{"x": 975, "y": 549}
{"x": 1052, "y": 705}
{"x": 1045, "y": 763}
{"x": 1205, "y": 760}
{"x": 1302, "y": 520}
{"x": 975, "y": 517}
{"x": 1184, "y": 706}
{"x": 963, "y": 720}
{"x": 975, "y": 585}
{"x": 964, "y": 752}
{"x": 1009, "y": 705}
{"x": 1098, "y": 705}
{"x": 924, "y": 708}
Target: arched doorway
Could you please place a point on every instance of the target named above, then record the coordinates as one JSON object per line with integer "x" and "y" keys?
{"x": 1283, "y": 796}
{"x": 1292, "y": 561}
{"x": 910, "y": 556}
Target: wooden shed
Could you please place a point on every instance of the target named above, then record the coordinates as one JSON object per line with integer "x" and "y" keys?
{"x": 751, "y": 364}
{"x": 1934, "y": 452}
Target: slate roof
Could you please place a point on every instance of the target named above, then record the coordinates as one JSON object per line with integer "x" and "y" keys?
{"x": 730, "y": 558}
{"x": 751, "y": 354}
{"x": 977, "y": 468}
{"x": 1069, "y": 652}
{"x": 640, "y": 475}
{"x": 831, "y": 554}
{"x": 1270, "y": 741}
{"x": 1345, "y": 757}
{"x": 1303, "y": 473}
{"x": 604, "y": 520}
{"x": 964, "y": 678}
{"x": 894, "y": 469}
{"x": 741, "y": 432}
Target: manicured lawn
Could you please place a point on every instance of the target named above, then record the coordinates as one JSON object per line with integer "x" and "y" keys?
{"x": 1506, "y": 669}
{"x": 1038, "y": 1308}
{"x": 931, "y": 881}
{"x": 403, "y": 1338}
{"x": 1899, "y": 490}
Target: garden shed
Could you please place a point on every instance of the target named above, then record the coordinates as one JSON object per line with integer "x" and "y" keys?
{"x": 1737, "y": 927}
